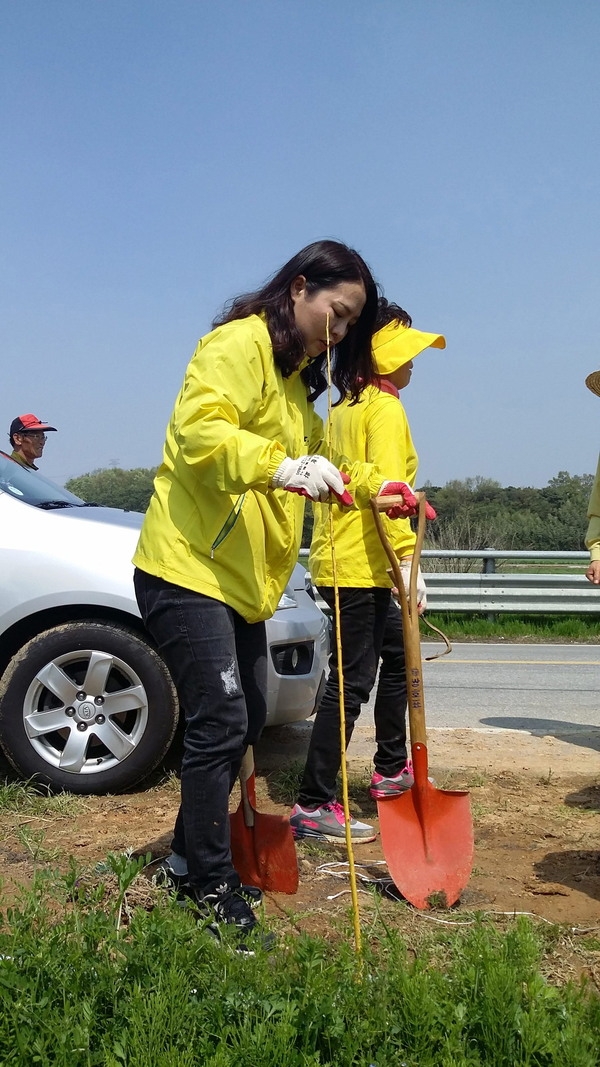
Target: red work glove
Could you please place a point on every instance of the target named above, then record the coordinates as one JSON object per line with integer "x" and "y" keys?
{"x": 400, "y": 511}
{"x": 346, "y": 497}
{"x": 410, "y": 506}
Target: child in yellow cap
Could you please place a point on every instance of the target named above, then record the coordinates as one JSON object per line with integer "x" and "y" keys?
{"x": 373, "y": 429}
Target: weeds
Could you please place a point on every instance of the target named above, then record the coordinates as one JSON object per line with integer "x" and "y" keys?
{"x": 531, "y": 628}
{"x": 30, "y": 799}
{"x": 477, "y": 779}
{"x": 546, "y": 779}
{"x": 125, "y": 870}
{"x": 33, "y": 843}
{"x": 284, "y": 784}
{"x": 76, "y": 992}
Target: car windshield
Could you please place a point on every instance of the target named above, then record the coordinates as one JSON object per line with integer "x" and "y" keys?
{"x": 33, "y": 488}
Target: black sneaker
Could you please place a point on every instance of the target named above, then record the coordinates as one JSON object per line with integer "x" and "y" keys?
{"x": 178, "y": 884}
{"x": 227, "y": 906}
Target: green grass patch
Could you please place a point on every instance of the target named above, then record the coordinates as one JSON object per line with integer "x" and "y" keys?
{"x": 284, "y": 784}
{"x": 27, "y": 798}
{"x": 79, "y": 990}
{"x": 540, "y": 628}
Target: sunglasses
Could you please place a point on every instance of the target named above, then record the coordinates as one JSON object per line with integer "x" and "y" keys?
{"x": 34, "y": 434}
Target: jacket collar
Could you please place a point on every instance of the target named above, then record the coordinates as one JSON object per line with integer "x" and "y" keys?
{"x": 386, "y": 386}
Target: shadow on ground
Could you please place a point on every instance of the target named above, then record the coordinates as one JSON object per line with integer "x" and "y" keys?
{"x": 588, "y": 798}
{"x": 577, "y": 869}
{"x": 572, "y": 732}
{"x": 281, "y": 745}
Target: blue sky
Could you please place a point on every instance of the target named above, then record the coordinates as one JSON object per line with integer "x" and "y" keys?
{"x": 160, "y": 157}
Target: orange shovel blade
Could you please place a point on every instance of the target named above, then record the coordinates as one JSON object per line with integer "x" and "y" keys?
{"x": 427, "y": 840}
{"x": 276, "y": 853}
{"x": 264, "y": 854}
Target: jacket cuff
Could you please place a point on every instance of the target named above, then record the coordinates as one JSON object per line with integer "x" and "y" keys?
{"x": 277, "y": 457}
{"x": 594, "y": 552}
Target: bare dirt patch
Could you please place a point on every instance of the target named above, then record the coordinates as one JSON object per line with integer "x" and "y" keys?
{"x": 536, "y": 810}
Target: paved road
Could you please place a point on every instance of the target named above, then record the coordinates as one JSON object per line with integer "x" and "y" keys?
{"x": 512, "y": 686}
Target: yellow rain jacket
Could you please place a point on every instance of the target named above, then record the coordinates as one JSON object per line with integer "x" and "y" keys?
{"x": 375, "y": 430}
{"x": 214, "y": 525}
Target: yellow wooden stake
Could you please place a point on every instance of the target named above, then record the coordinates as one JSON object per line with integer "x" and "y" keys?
{"x": 344, "y": 766}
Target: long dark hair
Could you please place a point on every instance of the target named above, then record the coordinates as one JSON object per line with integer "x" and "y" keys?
{"x": 324, "y": 265}
{"x": 388, "y": 312}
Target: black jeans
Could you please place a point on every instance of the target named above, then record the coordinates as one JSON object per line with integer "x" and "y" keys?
{"x": 391, "y": 697}
{"x": 371, "y": 626}
{"x": 218, "y": 663}
{"x": 363, "y": 617}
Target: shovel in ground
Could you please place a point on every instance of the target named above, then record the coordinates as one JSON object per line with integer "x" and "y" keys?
{"x": 426, "y": 832}
{"x": 262, "y": 846}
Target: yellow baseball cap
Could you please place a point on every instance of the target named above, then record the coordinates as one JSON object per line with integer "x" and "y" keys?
{"x": 395, "y": 344}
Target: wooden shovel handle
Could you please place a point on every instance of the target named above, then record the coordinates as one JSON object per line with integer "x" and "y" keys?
{"x": 246, "y": 777}
{"x": 384, "y": 503}
{"x": 410, "y": 616}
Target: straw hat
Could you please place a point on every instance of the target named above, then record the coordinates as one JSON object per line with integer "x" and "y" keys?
{"x": 593, "y": 382}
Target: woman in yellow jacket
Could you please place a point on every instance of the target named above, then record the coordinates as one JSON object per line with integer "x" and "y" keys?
{"x": 374, "y": 429}
{"x": 223, "y": 529}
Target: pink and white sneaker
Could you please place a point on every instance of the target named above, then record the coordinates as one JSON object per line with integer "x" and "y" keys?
{"x": 327, "y": 823}
{"x": 381, "y": 787}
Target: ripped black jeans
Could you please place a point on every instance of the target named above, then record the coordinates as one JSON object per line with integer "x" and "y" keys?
{"x": 218, "y": 663}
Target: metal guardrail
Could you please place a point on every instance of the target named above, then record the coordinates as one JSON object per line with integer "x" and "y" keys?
{"x": 569, "y": 594}
{"x": 491, "y": 592}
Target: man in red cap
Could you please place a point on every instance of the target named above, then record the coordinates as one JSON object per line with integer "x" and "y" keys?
{"x": 27, "y": 437}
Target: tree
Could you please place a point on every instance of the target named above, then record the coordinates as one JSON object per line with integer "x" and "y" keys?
{"x": 474, "y": 513}
{"x": 478, "y": 513}
{"x": 116, "y": 488}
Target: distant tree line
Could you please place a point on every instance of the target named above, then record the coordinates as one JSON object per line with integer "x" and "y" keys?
{"x": 116, "y": 488}
{"x": 472, "y": 513}
{"x": 480, "y": 513}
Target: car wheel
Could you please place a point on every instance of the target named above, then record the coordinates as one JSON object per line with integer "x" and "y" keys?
{"x": 87, "y": 706}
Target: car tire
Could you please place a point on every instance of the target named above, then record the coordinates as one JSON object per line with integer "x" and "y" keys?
{"x": 87, "y": 707}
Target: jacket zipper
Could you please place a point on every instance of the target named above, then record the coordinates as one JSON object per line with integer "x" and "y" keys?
{"x": 228, "y": 525}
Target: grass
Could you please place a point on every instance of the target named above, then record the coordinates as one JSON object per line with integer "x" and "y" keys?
{"x": 79, "y": 990}
{"x": 472, "y": 626}
{"x": 27, "y": 798}
{"x": 534, "y": 628}
{"x": 284, "y": 784}
{"x": 32, "y": 843}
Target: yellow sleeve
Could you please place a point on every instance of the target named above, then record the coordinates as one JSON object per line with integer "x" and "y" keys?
{"x": 214, "y": 408}
{"x": 389, "y": 445}
{"x": 365, "y": 478}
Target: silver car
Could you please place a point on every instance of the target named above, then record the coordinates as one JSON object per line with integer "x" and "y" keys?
{"x": 86, "y": 702}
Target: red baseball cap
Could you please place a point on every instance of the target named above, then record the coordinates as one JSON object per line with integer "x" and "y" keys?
{"x": 23, "y": 423}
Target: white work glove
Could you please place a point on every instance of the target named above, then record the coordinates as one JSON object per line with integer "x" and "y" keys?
{"x": 312, "y": 476}
{"x": 405, "y": 566}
